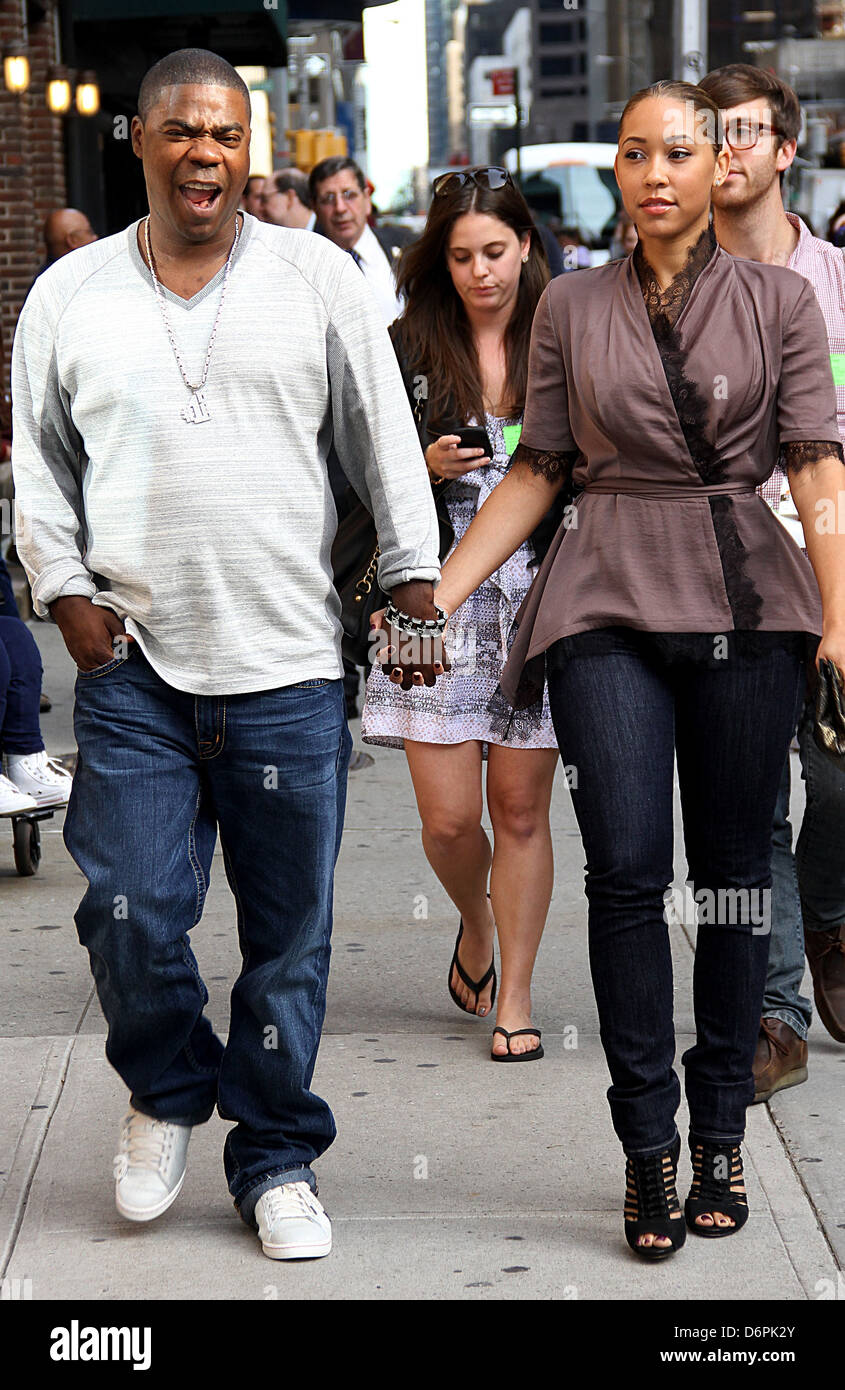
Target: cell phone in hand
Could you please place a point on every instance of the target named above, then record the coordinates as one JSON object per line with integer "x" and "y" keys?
{"x": 474, "y": 437}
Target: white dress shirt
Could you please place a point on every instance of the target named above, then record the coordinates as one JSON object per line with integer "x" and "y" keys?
{"x": 378, "y": 273}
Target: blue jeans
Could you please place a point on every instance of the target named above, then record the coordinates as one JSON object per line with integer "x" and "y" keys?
{"x": 620, "y": 717}
{"x": 8, "y": 605}
{"x": 808, "y": 888}
{"x": 159, "y": 773}
{"x": 20, "y": 677}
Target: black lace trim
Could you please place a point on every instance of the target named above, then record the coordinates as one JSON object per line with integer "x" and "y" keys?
{"x": 690, "y": 404}
{"x": 669, "y": 303}
{"x": 520, "y": 723}
{"x": 798, "y": 453}
{"x": 548, "y": 464}
{"x": 664, "y": 309}
{"x": 745, "y": 602}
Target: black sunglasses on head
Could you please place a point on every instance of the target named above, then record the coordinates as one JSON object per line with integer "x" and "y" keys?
{"x": 493, "y": 176}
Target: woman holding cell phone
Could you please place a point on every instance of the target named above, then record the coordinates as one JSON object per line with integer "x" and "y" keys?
{"x": 471, "y": 284}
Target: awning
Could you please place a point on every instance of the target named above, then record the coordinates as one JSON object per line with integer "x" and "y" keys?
{"x": 244, "y": 30}
{"x": 316, "y": 10}
{"x": 84, "y": 10}
{"x": 331, "y": 11}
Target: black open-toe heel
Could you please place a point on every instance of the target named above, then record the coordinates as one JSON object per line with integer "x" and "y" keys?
{"x": 650, "y": 1200}
{"x": 716, "y": 1170}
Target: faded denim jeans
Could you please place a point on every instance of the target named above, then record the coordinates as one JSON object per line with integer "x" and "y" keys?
{"x": 160, "y": 774}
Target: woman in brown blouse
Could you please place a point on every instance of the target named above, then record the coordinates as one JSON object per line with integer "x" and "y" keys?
{"x": 673, "y": 618}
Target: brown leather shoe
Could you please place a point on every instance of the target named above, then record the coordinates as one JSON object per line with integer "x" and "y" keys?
{"x": 780, "y": 1059}
{"x": 826, "y": 957}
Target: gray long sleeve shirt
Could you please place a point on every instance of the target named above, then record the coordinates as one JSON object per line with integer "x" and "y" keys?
{"x": 212, "y": 540}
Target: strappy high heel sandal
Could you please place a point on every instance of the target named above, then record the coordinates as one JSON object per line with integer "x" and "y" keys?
{"x": 716, "y": 1169}
{"x": 650, "y": 1200}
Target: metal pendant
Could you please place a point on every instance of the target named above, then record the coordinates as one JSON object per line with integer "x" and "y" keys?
{"x": 196, "y": 411}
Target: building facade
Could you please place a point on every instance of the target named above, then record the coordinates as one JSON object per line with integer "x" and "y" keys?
{"x": 32, "y": 167}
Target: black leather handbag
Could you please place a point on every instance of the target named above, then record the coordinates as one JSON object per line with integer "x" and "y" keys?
{"x": 354, "y": 559}
{"x": 829, "y": 730}
{"x": 355, "y": 554}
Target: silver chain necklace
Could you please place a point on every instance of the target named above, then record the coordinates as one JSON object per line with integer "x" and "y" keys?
{"x": 196, "y": 412}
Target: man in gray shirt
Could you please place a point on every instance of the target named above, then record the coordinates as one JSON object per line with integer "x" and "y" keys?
{"x": 177, "y": 389}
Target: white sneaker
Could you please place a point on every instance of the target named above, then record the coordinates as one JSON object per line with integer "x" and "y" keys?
{"x": 39, "y": 777}
{"x": 149, "y": 1167}
{"x": 292, "y": 1224}
{"x": 14, "y": 802}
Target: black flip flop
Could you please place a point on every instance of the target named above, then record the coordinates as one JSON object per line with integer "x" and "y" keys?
{"x": 477, "y": 985}
{"x": 534, "y": 1055}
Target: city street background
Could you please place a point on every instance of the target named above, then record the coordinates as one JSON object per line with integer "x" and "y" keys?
{"x": 450, "y": 1177}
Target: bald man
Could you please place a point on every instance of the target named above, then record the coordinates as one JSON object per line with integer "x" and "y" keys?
{"x": 66, "y": 230}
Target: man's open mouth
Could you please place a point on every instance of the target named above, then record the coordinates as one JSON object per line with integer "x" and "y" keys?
{"x": 201, "y": 196}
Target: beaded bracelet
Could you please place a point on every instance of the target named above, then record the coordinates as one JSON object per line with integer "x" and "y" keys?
{"x": 416, "y": 627}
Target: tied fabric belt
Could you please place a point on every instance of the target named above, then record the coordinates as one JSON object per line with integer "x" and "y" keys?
{"x": 633, "y": 487}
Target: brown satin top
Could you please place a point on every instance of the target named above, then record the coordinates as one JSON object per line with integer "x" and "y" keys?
{"x": 673, "y": 418}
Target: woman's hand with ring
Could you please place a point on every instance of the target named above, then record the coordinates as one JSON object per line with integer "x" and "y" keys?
{"x": 407, "y": 660}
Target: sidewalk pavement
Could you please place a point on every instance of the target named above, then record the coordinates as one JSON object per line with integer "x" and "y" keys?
{"x": 471, "y": 1181}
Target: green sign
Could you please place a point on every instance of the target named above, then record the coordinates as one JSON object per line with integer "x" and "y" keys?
{"x": 511, "y": 434}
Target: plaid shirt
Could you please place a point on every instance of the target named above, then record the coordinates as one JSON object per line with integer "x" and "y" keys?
{"x": 824, "y": 266}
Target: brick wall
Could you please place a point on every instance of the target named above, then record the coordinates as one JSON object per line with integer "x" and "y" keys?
{"x": 32, "y": 166}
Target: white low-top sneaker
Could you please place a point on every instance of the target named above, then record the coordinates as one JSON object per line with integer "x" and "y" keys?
{"x": 149, "y": 1168}
{"x": 292, "y": 1224}
{"x": 14, "y": 802}
{"x": 39, "y": 777}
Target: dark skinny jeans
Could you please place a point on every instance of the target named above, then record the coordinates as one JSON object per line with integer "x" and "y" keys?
{"x": 620, "y": 718}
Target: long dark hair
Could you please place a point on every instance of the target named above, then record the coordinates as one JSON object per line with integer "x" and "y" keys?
{"x": 434, "y": 331}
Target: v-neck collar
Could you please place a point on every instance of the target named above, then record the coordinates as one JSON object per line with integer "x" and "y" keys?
{"x": 680, "y": 290}
{"x": 214, "y": 283}
{"x": 668, "y": 388}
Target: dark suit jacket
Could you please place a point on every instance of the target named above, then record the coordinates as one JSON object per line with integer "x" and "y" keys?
{"x": 392, "y": 239}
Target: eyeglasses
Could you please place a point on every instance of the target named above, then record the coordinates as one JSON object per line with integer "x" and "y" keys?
{"x": 349, "y": 195}
{"x": 492, "y": 177}
{"x": 743, "y": 132}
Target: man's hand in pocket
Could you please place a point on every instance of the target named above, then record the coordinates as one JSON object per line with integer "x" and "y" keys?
{"x": 89, "y": 630}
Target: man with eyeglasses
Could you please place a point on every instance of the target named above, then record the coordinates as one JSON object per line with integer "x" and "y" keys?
{"x": 343, "y": 207}
{"x": 762, "y": 120}
{"x": 286, "y": 200}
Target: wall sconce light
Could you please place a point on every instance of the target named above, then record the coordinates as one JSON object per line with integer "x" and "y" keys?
{"x": 16, "y": 69}
{"x": 87, "y": 94}
{"x": 59, "y": 94}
